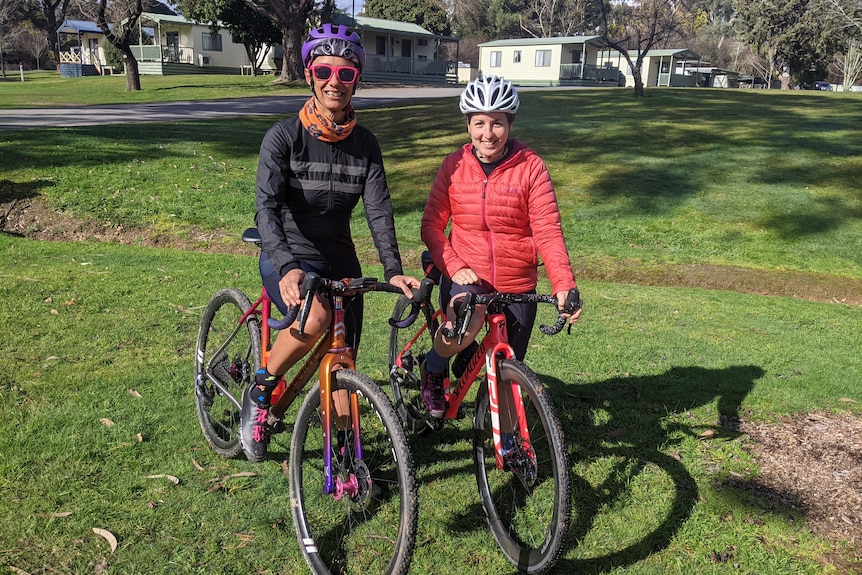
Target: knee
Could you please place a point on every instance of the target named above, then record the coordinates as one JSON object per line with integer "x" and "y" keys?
{"x": 317, "y": 322}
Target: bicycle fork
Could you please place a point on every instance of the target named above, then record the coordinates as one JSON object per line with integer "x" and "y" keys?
{"x": 342, "y": 408}
{"x": 508, "y": 415}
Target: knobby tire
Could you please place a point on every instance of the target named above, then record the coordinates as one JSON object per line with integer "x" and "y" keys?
{"x": 346, "y": 537}
{"x": 529, "y": 522}
{"x": 234, "y": 367}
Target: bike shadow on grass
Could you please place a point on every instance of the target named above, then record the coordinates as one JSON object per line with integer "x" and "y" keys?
{"x": 632, "y": 426}
{"x": 628, "y": 427}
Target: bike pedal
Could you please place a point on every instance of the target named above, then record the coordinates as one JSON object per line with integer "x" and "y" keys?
{"x": 434, "y": 423}
{"x": 277, "y": 425}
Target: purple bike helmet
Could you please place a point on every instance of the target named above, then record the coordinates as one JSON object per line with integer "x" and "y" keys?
{"x": 333, "y": 40}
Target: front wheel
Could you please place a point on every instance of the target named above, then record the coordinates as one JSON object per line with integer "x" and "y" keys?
{"x": 226, "y": 357}
{"x": 370, "y": 527}
{"x": 527, "y": 502}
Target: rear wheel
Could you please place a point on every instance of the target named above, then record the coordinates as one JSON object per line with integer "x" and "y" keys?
{"x": 226, "y": 357}
{"x": 405, "y": 360}
{"x": 371, "y": 526}
{"x": 528, "y": 502}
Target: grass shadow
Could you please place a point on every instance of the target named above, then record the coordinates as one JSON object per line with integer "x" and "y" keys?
{"x": 633, "y": 435}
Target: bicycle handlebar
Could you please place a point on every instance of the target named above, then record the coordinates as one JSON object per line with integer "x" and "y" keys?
{"x": 465, "y": 307}
{"x": 314, "y": 284}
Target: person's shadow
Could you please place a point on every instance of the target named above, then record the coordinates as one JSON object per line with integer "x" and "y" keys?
{"x": 634, "y": 424}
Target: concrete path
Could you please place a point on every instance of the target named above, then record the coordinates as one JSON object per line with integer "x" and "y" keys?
{"x": 20, "y": 119}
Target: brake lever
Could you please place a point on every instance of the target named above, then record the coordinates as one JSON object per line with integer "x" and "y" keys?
{"x": 309, "y": 287}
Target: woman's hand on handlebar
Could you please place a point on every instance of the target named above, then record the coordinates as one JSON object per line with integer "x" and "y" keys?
{"x": 564, "y": 303}
{"x": 405, "y": 283}
{"x": 290, "y": 287}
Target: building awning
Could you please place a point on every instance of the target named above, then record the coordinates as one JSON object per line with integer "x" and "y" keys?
{"x": 388, "y": 26}
{"x": 79, "y": 27}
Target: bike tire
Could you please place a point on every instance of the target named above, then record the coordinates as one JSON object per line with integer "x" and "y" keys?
{"x": 529, "y": 519}
{"x": 221, "y": 377}
{"x": 375, "y": 531}
{"x": 405, "y": 381}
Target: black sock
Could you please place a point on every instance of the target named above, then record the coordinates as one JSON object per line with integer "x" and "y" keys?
{"x": 264, "y": 384}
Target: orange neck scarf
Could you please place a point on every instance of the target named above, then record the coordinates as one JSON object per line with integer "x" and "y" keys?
{"x": 322, "y": 128}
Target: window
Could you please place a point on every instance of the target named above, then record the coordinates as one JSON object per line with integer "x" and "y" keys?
{"x": 496, "y": 59}
{"x": 421, "y": 42}
{"x": 211, "y": 42}
{"x": 543, "y": 58}
{"x": 516, "y": 57}
{"x": 380, "y": 45}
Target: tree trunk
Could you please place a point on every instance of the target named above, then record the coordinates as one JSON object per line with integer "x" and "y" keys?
{"x": 639, "y": 83}
{"x": 291, "y": 61}
{"x": 133, "y": 75}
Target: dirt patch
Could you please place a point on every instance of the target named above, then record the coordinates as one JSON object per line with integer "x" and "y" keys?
{"x": 33, "y": 218}
{"x": 810, "y": 462}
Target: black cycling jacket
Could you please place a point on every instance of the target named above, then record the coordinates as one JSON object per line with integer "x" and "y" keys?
{"x": 306, "y": 192}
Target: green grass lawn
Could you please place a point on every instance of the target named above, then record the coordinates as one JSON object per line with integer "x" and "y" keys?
{"x": 96, "y": 395}
{"x": 47, "y": 89}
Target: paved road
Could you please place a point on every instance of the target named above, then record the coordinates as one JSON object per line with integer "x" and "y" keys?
{"x": 21, "y": 119}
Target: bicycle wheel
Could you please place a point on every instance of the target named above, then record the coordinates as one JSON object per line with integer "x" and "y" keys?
{"x": 406, "y": 381}
{"x": 528, "y": 502}
{"x": 374, "y": 530}
{"x": 226, "y": 357}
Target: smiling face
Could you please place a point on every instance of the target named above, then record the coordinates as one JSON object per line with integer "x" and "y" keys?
{"x": 489, "y": 132}
{"x": 332, "y": 94}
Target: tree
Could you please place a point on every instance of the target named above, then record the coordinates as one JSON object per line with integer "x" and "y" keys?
{"x": 641, "y": 25}
{"x": 429, "y": 14}
{"x": 46, "y": 16}
{"x": 547, "y": 18}
{"x": 118, "y": 20}
{"x": 290, "y": 16}
{"x": 849, "y": 64}
{"x": 844, "y": 19}
{"x": 8, "y": 9}
{"x": 791, "y": 31}
{"x": 248, "y": 27}
{"x": 31, "y": 41}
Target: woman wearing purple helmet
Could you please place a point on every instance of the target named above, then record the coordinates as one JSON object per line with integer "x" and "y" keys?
{"x": 313, "y": 170}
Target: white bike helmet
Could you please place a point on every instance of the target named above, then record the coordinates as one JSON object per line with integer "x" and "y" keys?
{"x": 489, "y": 94}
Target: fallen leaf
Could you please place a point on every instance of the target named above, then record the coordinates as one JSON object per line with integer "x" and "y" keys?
{"x": 708, "y": 434}
{"x": 18, "y": 571}
{"x": 175, "y": 480}
{"x": 54, "y": 312}
{"x": 106, "y": 422}
{"x": 54, "y": 515}
{"x": 847, "y": 400}
{"x": 135, "y": 394}
{"x": 241, "y": 474}
{"x": 139, "y": 437}
{"x": 109, "y": 537}
{"x": 197, "y": 465}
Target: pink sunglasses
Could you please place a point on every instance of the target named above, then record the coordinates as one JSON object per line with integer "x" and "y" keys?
{"x": 345, "y": 74}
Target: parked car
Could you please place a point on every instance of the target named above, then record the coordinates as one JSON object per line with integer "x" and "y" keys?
{"x": 822, "y": 86}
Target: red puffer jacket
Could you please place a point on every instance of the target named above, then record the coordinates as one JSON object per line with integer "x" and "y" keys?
{"x": 500, "y": 225}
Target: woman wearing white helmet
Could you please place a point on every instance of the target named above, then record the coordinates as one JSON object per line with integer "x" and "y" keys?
{"x": 314, "y": 168}
{"x": 498, "y": 198}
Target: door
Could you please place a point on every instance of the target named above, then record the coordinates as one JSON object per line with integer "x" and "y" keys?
{"x": 172, "y": 42}
{"x": 92, "y": 56}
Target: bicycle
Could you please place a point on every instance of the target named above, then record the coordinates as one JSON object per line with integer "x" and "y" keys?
{"x": 353, "y": 490}
{"x": 525, "y": 492}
